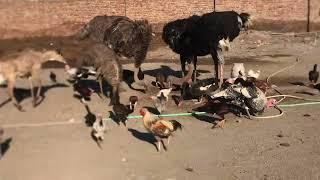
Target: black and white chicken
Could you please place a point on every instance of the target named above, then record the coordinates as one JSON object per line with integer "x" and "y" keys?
{"x": 98, "y": 130}
{"x": 197, "y": 90}
{"x": 161, "y": 99}
{"x": 314, "y": 74}
{"x": 122, "y": 111}
{"x": 245, "y": 95}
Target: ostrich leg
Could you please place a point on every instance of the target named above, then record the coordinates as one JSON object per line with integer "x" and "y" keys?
{"x": 183, "y": 61}
{"x": 221, "y": 64}
{"x": 195, "y": 59}
{"x": 137, "y": 81}
{"x": 217, "y": 56}
{"x": 216, "y": 68}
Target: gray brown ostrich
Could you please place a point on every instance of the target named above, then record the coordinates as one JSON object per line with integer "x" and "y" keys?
{"x": 127, "y": 38}
{"x": 107, "y": 66}
{"x": 25, "y": 64}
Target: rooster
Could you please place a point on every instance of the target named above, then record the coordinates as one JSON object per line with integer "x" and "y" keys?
{"x": 98, "y": 130}
{"x": 210, "y": 33}
{"x": 158, "y": 127}
{"x": 314, "y": 75}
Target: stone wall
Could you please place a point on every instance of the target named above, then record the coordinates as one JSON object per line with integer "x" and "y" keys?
{"x": 21, "y": 18}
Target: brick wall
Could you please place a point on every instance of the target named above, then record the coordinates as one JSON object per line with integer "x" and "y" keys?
{"x": 63, "y": 17}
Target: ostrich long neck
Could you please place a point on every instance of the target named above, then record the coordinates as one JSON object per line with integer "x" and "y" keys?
{"x": 315, "y": 67}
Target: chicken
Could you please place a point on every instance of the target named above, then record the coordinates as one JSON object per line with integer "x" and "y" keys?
{"x": 122, "y": 111}
{"x": 245, "y": 95}
{"x": 133, "y": 101}
{"x": 70, "y": 71}
{"x": 160, "y": 102}
{"x": 84, "y": 91}
{"x": 314, "y": 75}
{"x": 254, "y": 74}
{"x": 80, "y": 72}
{"x": 161, "y": 99}
{"x": 158, "y": 127}
{"x": 216, "y": 108}
{"x": 98, "y": 130}
{"x": 315, "y": 86}
{"x": 165, "y": 93}
{"x": 160, "y": 80}
{"x": 238, "y": 70}
{"x": 197, "y": 90}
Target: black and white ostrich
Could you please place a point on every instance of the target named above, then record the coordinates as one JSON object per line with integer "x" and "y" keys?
{"x": 203, "y": 35}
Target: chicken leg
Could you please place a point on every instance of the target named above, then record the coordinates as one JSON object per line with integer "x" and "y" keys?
{"x": 10, "y": 86}
{"x": 168, "y": 140}
{"x": 220, "y": 124}
{"x": 158, "y": 143}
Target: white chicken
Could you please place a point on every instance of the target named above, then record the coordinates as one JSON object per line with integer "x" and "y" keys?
{"x": 98, "y": 129}
{"x": 165, "y": 93}
{"x": 238, "y": 70}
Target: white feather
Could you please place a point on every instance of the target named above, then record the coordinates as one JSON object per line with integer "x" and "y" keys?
{"x": 165, "y": 92}
{"x": 255, "y": 74}
{"x": 72, "y": 71}
{"x": 245, "y": 93}
{"x": 224, "y": 44}
{"x": 236, "y": 68}
{"x": 99, "y": 129}
{"x": 220, "y": 94}
{"x": 204, "y": 88}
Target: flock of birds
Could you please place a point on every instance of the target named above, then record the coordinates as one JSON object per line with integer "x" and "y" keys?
{"x": 239, "y": 94}
{"x": 211, "y": 33}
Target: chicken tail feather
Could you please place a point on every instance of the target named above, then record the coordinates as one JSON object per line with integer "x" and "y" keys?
{"x": 176, "y": 125}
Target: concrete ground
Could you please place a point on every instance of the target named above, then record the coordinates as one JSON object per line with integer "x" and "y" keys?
{"x": 278, "y": 148}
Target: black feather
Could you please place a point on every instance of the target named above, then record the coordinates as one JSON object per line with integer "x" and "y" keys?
{"x": 176, "y": 125}
{"x": 53, "y": 77}
{"x": 314, "y": 74}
